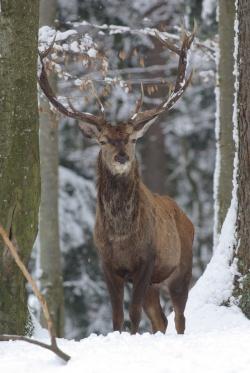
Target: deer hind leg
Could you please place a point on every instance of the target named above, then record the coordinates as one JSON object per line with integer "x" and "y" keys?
{"x": 154, "y": 311}
{"x": 140, "y": 285}
{"x": 115, "y": 286}
{"x": 179, "y": 293}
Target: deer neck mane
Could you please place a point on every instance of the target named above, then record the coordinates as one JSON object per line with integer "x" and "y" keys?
{"x": 118, "y": 198}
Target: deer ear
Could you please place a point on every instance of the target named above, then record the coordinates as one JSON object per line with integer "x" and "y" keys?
{"x": 90, "y": 131}
{"x": 142, "y": 127}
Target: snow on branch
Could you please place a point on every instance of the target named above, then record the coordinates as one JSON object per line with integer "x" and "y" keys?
{"x": 81, "y": 46}
{"x": 208, "y": 45}
{"x": 76, "y": 48}
{"x": 78, "y": 42}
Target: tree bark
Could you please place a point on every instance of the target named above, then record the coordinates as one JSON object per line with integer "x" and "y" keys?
{"x": 154, "y": 158}
{"x": 47, "y": 12}
{"x": 243, "y": 221}
{"x": 153, "y": 149}
{"x": 19, "y": 153}
{"x": 225, "y": 144}
{"x": 50, "y": 256}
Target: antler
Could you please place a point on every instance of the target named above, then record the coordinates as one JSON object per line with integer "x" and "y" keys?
{"x": 97, "y": 121}
{"x": 141, "y": 117}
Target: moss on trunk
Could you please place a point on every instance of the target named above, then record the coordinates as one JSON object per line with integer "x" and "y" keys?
{"x": 19, "y": 152}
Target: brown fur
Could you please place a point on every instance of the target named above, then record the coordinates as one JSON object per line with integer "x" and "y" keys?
{"x": 141, "y": 237}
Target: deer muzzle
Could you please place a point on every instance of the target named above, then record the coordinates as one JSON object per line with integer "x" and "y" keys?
{"x": 121, "y": 158}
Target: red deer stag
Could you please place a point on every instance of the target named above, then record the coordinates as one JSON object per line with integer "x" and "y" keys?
{"x": 141, "y": 237}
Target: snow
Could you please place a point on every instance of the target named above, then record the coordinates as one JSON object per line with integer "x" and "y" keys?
{"x": 217, "y": 337}
{"x": 217, "y": 134}
{"x": 74, "y": 47}
{"x": 92, "y": 52}
{"x": 217, "y": 340}
{"x": 229, "y": 239}
{"x": 84, "y": 45}
{"x": 75, "y": 208}
{"x": 218, "y": 154}
{"x": 46, "y": 34}
{"x": 216, "y": 284}
{"x": 208, "y": 7}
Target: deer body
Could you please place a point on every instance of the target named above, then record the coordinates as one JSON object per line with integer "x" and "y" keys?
{"x": 135, "y": 225}
{"x": 141, "y": 237}
{"x": 137, "y": 229}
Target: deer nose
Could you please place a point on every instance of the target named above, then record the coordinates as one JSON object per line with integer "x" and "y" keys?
{"x": 121, "y": 157}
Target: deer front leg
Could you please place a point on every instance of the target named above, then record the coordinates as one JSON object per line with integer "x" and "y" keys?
{"x": 141, "y": 283}
{"x": 115, "y": 286}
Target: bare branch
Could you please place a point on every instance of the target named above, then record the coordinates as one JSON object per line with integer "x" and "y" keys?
{"x": 53, "y": 347}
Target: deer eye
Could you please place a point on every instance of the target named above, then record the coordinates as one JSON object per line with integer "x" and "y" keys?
{"x": 102, "y": 142}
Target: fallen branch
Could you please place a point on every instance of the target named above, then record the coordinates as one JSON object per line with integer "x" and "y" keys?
{"x": 53, "y": 345}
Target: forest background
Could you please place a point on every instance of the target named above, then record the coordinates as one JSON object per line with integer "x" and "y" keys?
{"x": 177, "y": 157}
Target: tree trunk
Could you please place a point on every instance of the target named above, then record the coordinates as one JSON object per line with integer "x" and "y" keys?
{"x": 153, "y": 149}
{"x": 154, "y": 158}
{"x": 47, "y": 12}
{"x": 225, "y": 144}
{"x": 19, "y": 153}
{"x": 243, "y": 221}
{"x": 50, "y": 256}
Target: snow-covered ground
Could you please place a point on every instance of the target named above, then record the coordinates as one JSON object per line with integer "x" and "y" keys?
{"x": 217, "y": 340}
{"x": 217, "y": 337}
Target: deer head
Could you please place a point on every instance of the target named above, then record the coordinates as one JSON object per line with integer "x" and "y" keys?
{"x": 118, "y": 142}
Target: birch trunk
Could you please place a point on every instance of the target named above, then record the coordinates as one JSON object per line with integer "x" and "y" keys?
{"x": 50, "y": 256}
{"x": 19, "y": 153}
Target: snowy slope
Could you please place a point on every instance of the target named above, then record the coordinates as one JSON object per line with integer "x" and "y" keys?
{"x": 223, "y": 348}
{"x": 217, "y": 338}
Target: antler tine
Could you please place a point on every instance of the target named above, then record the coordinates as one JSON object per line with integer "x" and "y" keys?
{"x": 181, "y": 82}
{"x": 167, "y": 43}
{"x": 47, "y": 90}
{"x": 186, "y": 44}
{"x": 48, "y": 50}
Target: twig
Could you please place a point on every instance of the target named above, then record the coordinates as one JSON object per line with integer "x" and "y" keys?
{"x": 53, "y": 346}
